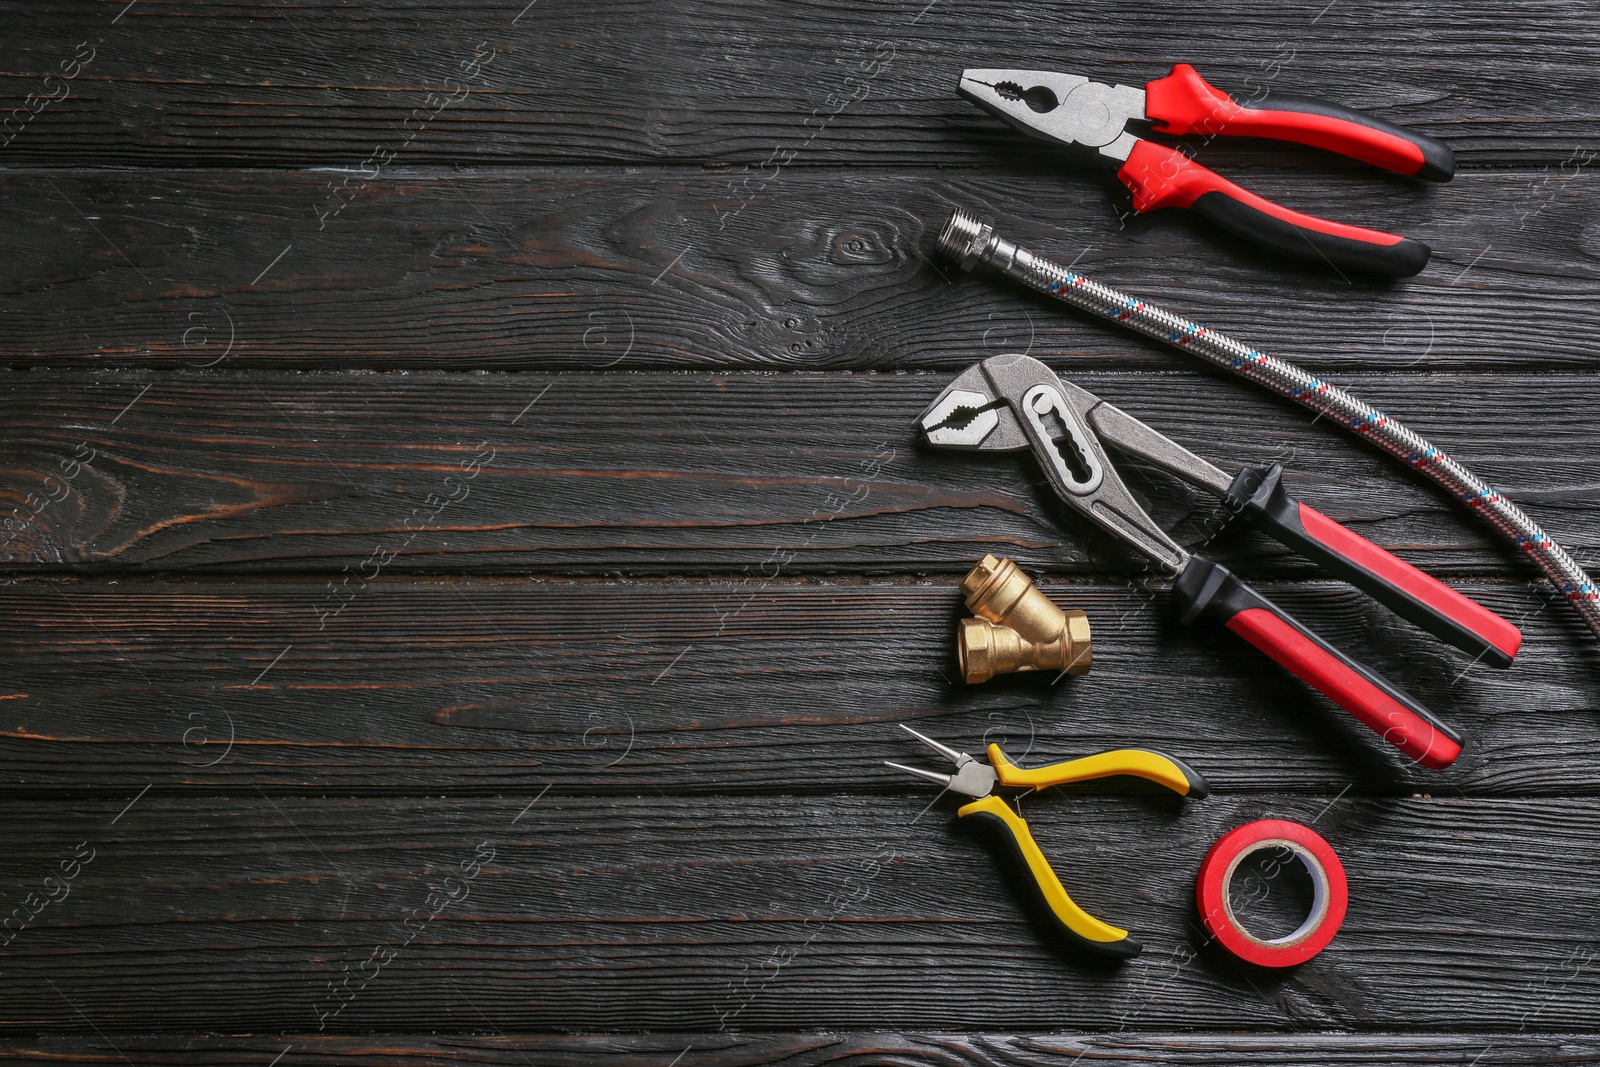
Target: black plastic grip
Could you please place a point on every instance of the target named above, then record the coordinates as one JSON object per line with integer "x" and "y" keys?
{"x": 1208, "y": 588}
{"x": 1438, "y": 161}
{"x": 1258, "y": 493}
{"x": 1183, "y": 102}
{"x": 1162, "y": 177}
{"x": 1401, "y": 259}
{"x": 1012, "y": 856}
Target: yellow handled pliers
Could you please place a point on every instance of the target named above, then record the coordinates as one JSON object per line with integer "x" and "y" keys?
{"x": 977, "y": 780}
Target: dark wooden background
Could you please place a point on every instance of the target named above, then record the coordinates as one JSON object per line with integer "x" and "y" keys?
{"x": 639, "y": 672}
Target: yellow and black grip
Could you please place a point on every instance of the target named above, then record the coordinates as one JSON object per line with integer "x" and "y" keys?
{"x": 1138, "y": 762}
{"x": 1075, "y": 924}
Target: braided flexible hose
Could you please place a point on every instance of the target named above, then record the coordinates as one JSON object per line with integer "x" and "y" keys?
{"x": 970, "y": 242}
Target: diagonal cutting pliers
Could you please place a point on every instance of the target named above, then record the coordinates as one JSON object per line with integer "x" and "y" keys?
{"x": 1012, "y": 402}
{"x": 975, "y": 779}
{"x": 1071, "y": 109}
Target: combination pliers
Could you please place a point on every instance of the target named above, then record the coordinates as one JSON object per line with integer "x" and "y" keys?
{"x": 975, "y": 779}
{"x": 1013, "y": 402}
{"x": 1071, "y": 109}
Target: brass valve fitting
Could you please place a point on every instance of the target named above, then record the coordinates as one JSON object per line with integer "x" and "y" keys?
{"x": 1017, "y": 628}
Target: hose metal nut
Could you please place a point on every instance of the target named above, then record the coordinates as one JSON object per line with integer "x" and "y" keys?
{"x": 965, "y": 239}
{"x": 1017, "y": 628}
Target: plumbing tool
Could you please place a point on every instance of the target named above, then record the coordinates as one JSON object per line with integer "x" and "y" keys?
{"x": 971, "y": 242}
{"x": 976, "y": 780}
{"x": 1012, "y": 402}
{"x": 1071, "y": 109}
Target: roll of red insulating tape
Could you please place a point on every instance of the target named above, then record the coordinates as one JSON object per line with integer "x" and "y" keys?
{"x": 1330, "y": 892}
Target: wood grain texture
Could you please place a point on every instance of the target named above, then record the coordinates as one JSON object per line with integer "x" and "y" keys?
{"x": 668, "y": 267}
{"x": 652, "y": 652}
{"x": 740, "y": 685}
{"x": 729, "y": 473}
{"x": 818, "y": 1049}
{"x": 655, "y": 912}
{"x": 713, "y": 80}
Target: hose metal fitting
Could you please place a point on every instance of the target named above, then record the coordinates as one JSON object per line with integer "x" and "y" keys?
{"x": 1017, "y": 628}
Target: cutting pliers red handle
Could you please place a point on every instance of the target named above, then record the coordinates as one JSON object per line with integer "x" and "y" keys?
{"x": 1071, "y": 109}
{"x": 1159, "y": 177}
{"x": 1185, "y": 103}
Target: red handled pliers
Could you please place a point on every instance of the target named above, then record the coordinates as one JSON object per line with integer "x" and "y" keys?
{"x": 1013, "y": 402}
{"x": 1071, "y": 109}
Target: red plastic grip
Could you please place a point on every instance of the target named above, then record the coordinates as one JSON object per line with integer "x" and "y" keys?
{"x": 1184, "y": 102}
{"x": 1159, "y": 177}
{"x": 1390, "y": 568}
{"x": 1308, "y": 661}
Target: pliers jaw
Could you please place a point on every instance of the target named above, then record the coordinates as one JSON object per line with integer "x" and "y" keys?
{"x": 1012, "y": 402}
{"x": 972, "y": 777}
{"x": 978, "y": 410}
{"x": 1058, "y": 107}
{"x": 969, "y": 416}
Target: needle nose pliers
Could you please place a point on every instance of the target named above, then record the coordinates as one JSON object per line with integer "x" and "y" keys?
{"x": 1013, "y": 402}
{"x": 1071, "y": 109}
{"x": 975, "y": 779}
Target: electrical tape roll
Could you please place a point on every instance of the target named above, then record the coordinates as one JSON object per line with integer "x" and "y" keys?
{"x": 1330, "y": 892}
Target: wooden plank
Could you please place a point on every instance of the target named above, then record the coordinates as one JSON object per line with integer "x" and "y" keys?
{"x": 702, "y": 687}
{"x": 320, "y": 82}
{"x": 814, "y": 1049}
{"x": 661, "y": 912}
{"x": 633, "y": 269}
{"x": 679, "y": 780}
{"x": 648, "y": 473}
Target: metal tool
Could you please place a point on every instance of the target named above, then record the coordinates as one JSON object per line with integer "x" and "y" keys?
{"x": 970, "y": 242}
{"x": 974, "y": 779}
{"x": 1071, "y": 109}
{"x": 1012, "y": 402}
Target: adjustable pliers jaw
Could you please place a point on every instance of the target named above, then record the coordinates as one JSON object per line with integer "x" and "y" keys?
{"x": 1012, "y": 402}
{"x": 968, "y": 415}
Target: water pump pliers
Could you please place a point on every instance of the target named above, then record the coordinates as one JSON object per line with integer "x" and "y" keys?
{"x": 1013, "y": 402}
{"x": 976, "y": 779}
{"x": 1071, "y": 109}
